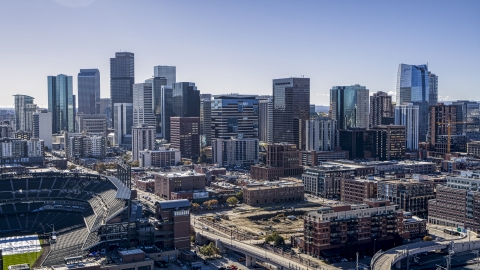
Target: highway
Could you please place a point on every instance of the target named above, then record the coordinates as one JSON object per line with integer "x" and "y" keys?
{"x": 385, "y": 260}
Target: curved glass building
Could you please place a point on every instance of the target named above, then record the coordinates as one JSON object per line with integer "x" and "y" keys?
{"x": 413, "y": 86}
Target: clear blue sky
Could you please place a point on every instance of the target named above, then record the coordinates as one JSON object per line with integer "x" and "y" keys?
{"x": 240, "y": 46}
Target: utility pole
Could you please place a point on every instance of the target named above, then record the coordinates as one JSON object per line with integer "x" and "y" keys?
{"x": 356, "y": 266}
{"x": 408, "y": 259}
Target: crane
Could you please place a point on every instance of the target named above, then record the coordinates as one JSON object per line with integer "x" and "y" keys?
{"x": 449, "y": 129}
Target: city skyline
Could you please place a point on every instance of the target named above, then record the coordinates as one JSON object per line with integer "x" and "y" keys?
{"x": 231, "y": 54}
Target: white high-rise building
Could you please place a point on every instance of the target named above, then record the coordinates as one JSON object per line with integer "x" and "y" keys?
{"x": 234, "y": 151}
{"x": 408, "y": 115}
{"x": 265, "y": 118}
{"x": 42, "y": 127}
{"x": 142, "y": 105}
{"x": 24, "y": 109}
{"x": 143, "y": 138}
{"x": 321, "y": 134}
{"x": 123, "y": 113}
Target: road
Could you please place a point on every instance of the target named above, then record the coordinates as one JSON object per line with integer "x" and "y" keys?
{"x": 389, "y": 257}
{"x": 257, "y": 252}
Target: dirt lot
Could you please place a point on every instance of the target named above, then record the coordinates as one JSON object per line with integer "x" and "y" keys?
{"x": 285, "y": 222}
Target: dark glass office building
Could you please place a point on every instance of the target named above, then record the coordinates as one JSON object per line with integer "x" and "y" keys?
{"x": 291, "y": 108}
{"x": 234, "y": 116}
{"x": 349, "y": 106}
{"x": 186, "y": 99}
{"x": 88, "y": 91}
{"x": 61, "y": 103}
{"x": 122, "y": 78}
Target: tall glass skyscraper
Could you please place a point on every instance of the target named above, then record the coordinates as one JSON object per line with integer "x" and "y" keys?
{"x": 88, "y": 91}
{"x": 349, "y": 106}
{"x": 163, "y": 75}
{"x": 167, "y": 72}
{"x": 61, "y": 103}
{"x": 122, "y": 78}
{"x": 291, "y": 108}
{"x": 186, "y": 99}
{"x": 413, "y": 86}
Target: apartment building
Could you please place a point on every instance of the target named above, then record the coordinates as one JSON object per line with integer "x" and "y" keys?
{"x": 356, "y": 190}
{"x": 351, "y": 227}
{"x": 410, "y": 195}
{"x": 324, "y": 180}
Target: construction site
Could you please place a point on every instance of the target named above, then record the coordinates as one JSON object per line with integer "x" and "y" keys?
{"x": 286, "y": 222}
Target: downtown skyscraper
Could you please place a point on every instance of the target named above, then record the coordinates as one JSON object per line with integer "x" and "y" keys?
{"x": 24, "y": 109}
{"x": 61, "y": 103}
{"x": 349, "y": 106}
{"x": 291, "y": 108}
{"x": 122, "y": 78}
{"x": 88, "y": 91}
{"x": 413, "y": 86}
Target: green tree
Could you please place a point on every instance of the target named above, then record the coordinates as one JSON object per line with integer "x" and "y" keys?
{"x": 101, "y": 167}
{"x": 195, "y": 206}
{"x": 210, "y": 204}
{"x": 232, "y": 201}
{"x": 239, "y": 195}
{"x": 135, "y": 163}
{"x": 275, "y": 238}
{"x": 427, "y": 238}
{"x": 72, "y": 167}
{"x": 209, "y": 250}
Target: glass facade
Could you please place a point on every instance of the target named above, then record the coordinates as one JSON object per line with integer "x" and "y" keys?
{"x": 61, "y": 103}
{"x": 122, "y": 78}
{"x": 186, "y": 99}
{"x": 234, "y": 116}
{"x": 413, "y": 86}
{"x": 349, "y": 106}
{"x": 291, "y": 108}
{"x": 88, "y": 91}
{"x": 157, "y": 83}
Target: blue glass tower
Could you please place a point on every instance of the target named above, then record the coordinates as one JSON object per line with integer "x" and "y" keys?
{"x": 413, "y": 86}
{"x": 61, "y": 103}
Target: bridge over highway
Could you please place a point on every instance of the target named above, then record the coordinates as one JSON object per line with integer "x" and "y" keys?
{"x": 386, "y": 260}
{"x": 253, "y": 253}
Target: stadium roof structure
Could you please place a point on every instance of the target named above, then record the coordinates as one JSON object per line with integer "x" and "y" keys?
{"x": 164, "y": 205}
{"x": 122, "y": 191}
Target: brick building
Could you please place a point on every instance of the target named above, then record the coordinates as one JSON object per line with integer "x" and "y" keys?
{"x": 281, "y": 193}
{"x": 388, "y": 142}
{"x": 357, "y": 190}
{"x": 352, "y": 228}
{"x": 410, "y": 195}
{"x": 174, "y": 223}
{"x": 457, "y": 203}
{"x": 282, "y": 159}
{"x": 166, "y": 183}
{"x": 185, "y": 136}
{"x": 324, "y": 180}
{"x": 413, "y": 226}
